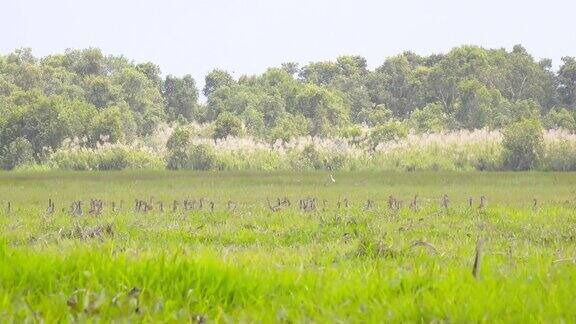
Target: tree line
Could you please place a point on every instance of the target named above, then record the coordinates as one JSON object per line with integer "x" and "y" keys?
{"x": 95, "y": 97}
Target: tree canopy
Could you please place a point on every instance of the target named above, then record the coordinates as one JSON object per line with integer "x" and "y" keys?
{"x": 93, "y": 96}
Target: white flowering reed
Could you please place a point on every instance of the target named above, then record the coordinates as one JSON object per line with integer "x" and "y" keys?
{"x": 458, "y": 150}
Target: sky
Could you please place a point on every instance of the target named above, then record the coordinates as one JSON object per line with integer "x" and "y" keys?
{"x": 248, "y": 36}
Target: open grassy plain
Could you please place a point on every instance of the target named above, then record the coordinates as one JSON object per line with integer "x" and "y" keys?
{"x": 355, "y": 250}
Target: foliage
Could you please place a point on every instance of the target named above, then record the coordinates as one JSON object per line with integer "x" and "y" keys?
{"x": 215, "y": 80}
{"x": 97, "y": 98}
{"x": 227, "y": 125}
{"x": 107, "y": 157}
{"x": 518, "y": 111}
{"x": 41, "y": 123}
{"x": 391, "y": 131}
{"x": 559, "y": 118}
{"x": 353, "y": 132}
{"x": 523, "y": 145}
{"x": 202, "y": 157}
{"x": 475, "y": 87}
{"x": 181, "y": 97}
{"x": 289, "y": 127}
{"x": 476, "y": 106}
{"x": 430, "y": 119}
{"x": 308, "y": 159}
{"x": 378, "y": 115}
{"x": 177, "y": 146}
{"x": 19, "y": 152}
{"x": 324, "y": 108}
{"x": 567, "y": 82}
{"x": 107, "y": 126}
{"x": 179, "y": 139}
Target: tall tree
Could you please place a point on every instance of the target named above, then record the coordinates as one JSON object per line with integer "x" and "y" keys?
{"x": 215, "y": 80}
{"x": 567, "y": 82}
{"x": 181, "y": 98}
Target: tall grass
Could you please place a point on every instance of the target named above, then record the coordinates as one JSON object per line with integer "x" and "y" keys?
{"x": 255, "y": 265}
{"x": 456, "y": 151}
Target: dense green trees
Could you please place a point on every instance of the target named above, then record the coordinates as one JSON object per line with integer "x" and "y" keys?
{"x": 84, "y": 94}
{"x": 567, "y": 82}
{"x": 523, "y": 145}
{"x": 95, "y": 97}
{"x": 227, "y": 125}
{"x": 18, "y": 152}
{"x": 181, "y": 98}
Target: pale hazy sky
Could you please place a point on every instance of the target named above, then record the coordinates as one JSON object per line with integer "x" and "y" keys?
{"x": 246, "y": 37}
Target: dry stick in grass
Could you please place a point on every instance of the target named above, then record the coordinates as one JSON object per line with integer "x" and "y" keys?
{"x": 273, "y": 208}
{"x": 369, "y": 205}
{"x": 308, "y": 204}
{"x": 445, "y": 201}
{"x": 414, "y": 203}
{"x": 478, "y": 258}
{"x": 200, "y": 319}
{"x": 50, "y": 208}
{"x": 324, "y": 204}
{"x": 231, "y": 206}
{"x": 391, "y": 202}
{"x": 564, "y": 260}
{"x": 482, "y": 203}
{"x": 76, "y": 208}
{"x": 426, "y": 244}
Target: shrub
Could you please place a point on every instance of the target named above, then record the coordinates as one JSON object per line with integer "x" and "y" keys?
{"x": 518, "y": 111}
{"x": 227, "y": 125}
{"x": 560, "y": 156}
{"x": 179, "y": 140}
{"x": 310, "y": 158}
{"x": 202, "y": 157}
{"x": 115, "y": 158}
{"x": 177, "y": 160}
{"x": 337, "y": 161}
{"x": 194, "y": 157}
{"x": 561, "y": 118}
{"x": 107, "y": 124}
{"x": 430, "y": 119}
{"x": 379, "y": 115}
{"x": 254, "y": 121}
{"x": 351, "y": 132}
{"x": 111, "y": 157}
{"x": 177, "y": 147}
{"x": 289, "y": 127}
{"x": 391, "y": 131}
{"x": 523, "y": 145}
{"x": 76, "y": 160}
{"x": 18, "y": 152}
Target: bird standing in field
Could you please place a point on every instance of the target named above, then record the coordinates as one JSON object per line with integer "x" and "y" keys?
{"x": 330, "y": 179}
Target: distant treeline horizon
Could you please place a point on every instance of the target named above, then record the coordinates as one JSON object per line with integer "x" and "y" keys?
{"x": 88, "y": 94}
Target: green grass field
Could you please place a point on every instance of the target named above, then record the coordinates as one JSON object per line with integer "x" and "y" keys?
{"x": 335, "y": 264}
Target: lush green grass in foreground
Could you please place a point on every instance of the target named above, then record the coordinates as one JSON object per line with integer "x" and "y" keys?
{"x": 252, "y": 264}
